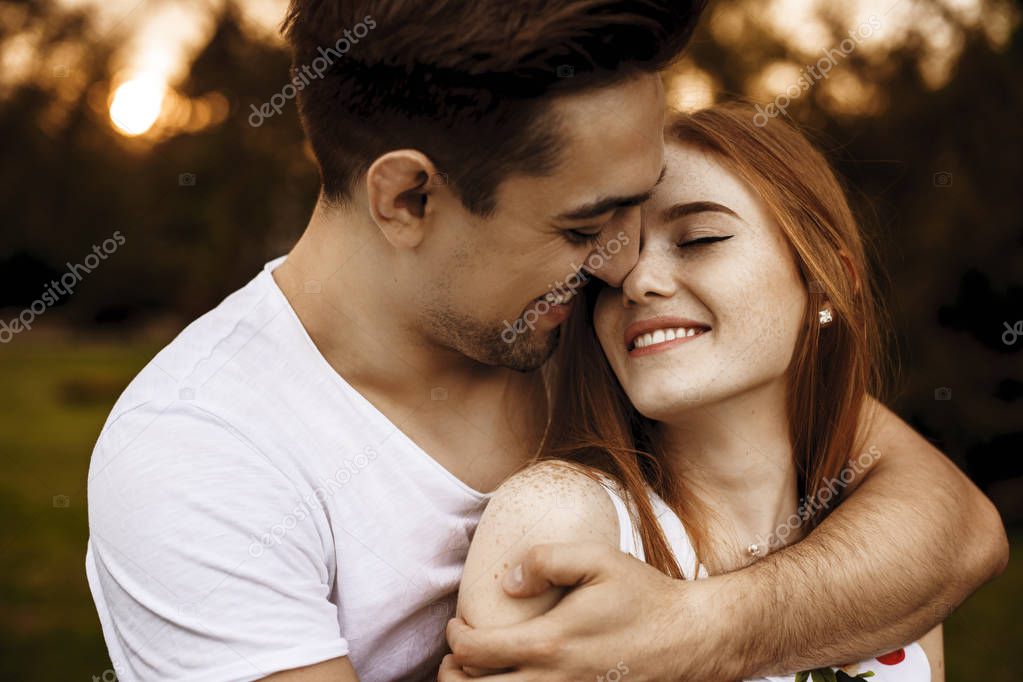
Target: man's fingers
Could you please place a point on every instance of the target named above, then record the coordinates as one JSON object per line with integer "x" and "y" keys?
{"x": 450, "y": 671}
{"x": 565, "y": 564}
{"x": 502, "y": 647}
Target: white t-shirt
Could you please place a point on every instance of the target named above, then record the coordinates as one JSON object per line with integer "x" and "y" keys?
{"x": 907, "y": 664}
{"x": 251, "y": 512}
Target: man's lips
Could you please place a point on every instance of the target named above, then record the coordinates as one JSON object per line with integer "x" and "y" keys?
{"x": 551, "y": 301}
{"x": 555, "y": 297}
{"x": 657, "y": 330}
{"x": 549, "y": 309}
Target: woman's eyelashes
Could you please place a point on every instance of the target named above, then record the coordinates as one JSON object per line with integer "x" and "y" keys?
{"x": 702, "y": 241}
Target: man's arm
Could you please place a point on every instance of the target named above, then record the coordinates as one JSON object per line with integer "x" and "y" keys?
{"x": 910, "y": 544}
{"x": 891, "y": 562}
{"x": 334, "y": 670}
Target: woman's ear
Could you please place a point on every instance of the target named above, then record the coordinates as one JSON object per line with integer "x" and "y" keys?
{"x": 397, "y": 188}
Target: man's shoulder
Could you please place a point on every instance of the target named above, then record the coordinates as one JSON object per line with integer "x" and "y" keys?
{"x": 226, "y": 344}
{"x": 249, "y": 323}
{"x": 184, "y": 393}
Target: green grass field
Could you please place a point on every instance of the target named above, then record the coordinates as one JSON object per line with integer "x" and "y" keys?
{"x": 54, "y": 402}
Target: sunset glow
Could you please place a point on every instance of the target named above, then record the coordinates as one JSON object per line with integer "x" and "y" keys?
{"x": 136, "y": 104}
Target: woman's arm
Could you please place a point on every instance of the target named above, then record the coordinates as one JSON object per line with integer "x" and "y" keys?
{"x": 933, "y": 645}
{"x": 548, "y": 502}
{"x": 910, "y": 544}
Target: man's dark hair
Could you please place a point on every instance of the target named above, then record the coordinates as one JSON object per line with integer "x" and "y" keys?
{"x": 466, "y": 82}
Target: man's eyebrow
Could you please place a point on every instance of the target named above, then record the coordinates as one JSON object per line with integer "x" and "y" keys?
{"x": 681, "y": 210}
{"x": 605, "y": 205}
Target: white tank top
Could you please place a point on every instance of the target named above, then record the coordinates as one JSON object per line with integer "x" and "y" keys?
{"x": 908, "y": 664}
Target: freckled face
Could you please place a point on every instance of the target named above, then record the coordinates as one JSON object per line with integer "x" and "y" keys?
{"x": 715, "y": 304}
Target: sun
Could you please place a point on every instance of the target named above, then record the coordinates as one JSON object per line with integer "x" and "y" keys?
{"x": 137, "y": 103}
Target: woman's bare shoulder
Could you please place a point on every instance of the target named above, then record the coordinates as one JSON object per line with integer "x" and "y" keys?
{"x": 547, "y": 502}
{"x": 560, "y": 493}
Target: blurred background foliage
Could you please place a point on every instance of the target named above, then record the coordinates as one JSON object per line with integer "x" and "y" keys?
{"x": 922, "y": 119}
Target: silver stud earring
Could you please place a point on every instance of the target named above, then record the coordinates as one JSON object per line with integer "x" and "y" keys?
{"x": 825, "y": 316}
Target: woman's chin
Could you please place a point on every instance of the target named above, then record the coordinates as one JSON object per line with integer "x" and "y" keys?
{"x": 664, "y": 405}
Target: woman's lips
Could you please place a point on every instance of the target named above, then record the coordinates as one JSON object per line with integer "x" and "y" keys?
{"x": 658, "y": 333}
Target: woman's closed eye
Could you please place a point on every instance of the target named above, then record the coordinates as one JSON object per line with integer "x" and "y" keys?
{"x": 702, "y": 241}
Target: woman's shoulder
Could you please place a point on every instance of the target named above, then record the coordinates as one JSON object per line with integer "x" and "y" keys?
{"x": 561, "y": 500}
{"x": 548, "y": 502}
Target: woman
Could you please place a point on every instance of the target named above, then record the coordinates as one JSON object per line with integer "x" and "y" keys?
{"x": 717, "y": 412}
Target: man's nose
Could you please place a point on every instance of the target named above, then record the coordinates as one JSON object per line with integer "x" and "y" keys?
{"x": 617, "y": 253}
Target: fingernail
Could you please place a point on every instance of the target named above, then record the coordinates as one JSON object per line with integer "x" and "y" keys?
{"x": 513, "y": 579}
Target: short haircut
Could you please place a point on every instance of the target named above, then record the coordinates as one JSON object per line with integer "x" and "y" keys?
{"x": 466, "y": 82}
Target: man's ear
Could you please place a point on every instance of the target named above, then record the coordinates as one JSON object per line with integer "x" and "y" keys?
{"x": 397, "y": 187}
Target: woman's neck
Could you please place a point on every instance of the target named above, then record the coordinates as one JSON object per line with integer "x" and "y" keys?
{"x": 735, "y": 456}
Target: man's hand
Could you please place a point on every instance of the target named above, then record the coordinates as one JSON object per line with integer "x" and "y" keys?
{"x": 623, "y": 615}
{"x": 911, "y": 542}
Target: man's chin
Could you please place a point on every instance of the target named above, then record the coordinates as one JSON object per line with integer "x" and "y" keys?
{"x": 493, "y": 345}
{"x": 525, "y": 353}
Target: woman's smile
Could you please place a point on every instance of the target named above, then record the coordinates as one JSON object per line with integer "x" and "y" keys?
{"x": 653, "y": 335}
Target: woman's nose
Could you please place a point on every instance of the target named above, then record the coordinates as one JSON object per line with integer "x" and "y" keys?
{"x": 651, "y": 278}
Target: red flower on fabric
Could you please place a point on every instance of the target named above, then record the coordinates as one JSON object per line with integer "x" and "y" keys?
{"x": 893, "y": 657}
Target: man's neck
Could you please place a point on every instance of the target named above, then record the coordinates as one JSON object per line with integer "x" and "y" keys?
{"x": 478, "y": 421}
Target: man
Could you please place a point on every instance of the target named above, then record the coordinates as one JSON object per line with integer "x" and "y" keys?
{"x": 288, "y": 490}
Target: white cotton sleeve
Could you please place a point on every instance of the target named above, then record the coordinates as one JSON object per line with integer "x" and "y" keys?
{"x": 206, "y": 562}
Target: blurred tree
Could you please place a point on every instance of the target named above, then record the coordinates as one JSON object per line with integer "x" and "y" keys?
{"x": 925, "y": 129}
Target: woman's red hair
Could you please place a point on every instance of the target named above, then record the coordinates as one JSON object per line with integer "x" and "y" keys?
{"x": 833, "y": 369}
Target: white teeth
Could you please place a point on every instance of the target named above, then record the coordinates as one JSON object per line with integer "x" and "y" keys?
{"x": 662, "y": 335}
